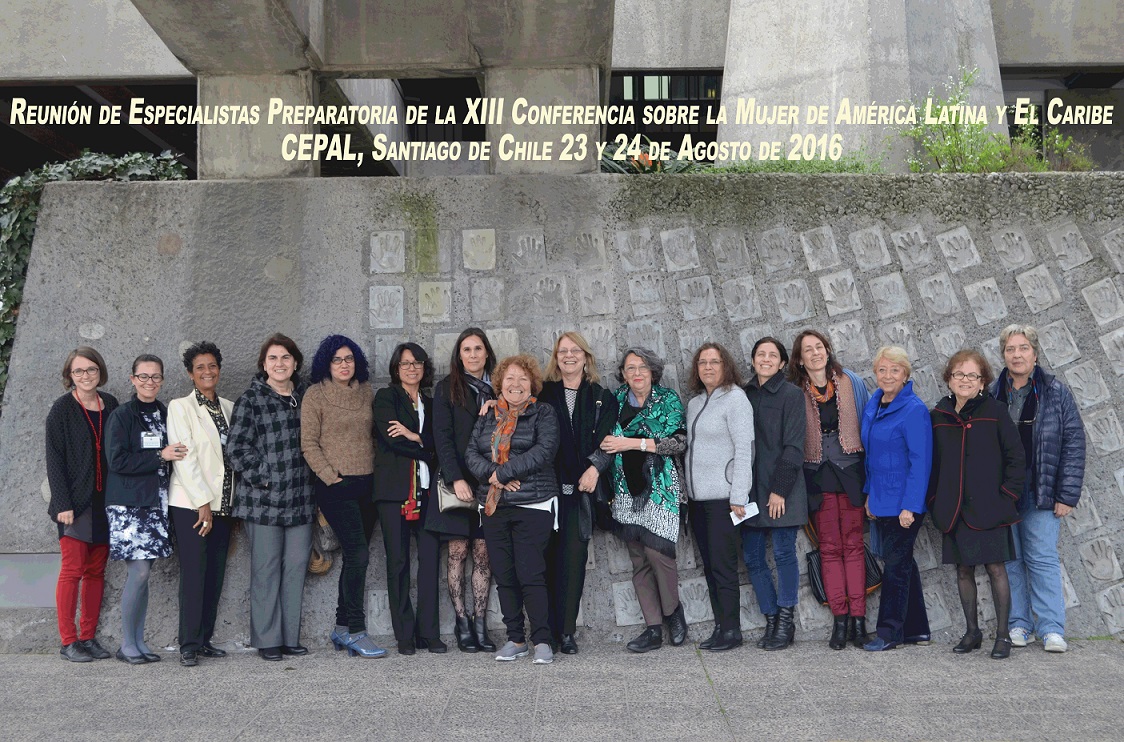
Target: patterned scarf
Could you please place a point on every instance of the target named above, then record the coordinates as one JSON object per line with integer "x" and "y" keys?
{"x": 660, "y": 417}
{"x": 849, "y": 438}
{"x": 506, "y": 417}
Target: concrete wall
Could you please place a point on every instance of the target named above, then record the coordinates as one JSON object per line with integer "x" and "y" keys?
{"x": 933, "y": 263}
{"x": 53, "y": 40}
{"x": 653, "y": 35}
{"x": 1046, "y": 33}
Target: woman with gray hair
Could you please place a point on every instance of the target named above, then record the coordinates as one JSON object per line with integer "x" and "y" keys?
{"x": 647, "y": 491}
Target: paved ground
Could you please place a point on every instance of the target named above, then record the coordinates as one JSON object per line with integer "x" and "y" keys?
{"x": 806, "y": 692}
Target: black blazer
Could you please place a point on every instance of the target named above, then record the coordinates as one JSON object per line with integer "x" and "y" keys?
{"x": 134, "y": 472}
{"x": 395, "y": 457}
{"x": 978, "y": 465}
{"x": 531, "y": 459}
{"x": 71, "y": 461}
{"x": 579, "y": 442}
{"x": 452, "y": 430}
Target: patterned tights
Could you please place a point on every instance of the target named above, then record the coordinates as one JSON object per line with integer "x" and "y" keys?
{"x": 481, "y": 574}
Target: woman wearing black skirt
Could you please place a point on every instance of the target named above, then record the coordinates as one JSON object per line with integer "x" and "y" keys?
{"x": 978, "y": 472}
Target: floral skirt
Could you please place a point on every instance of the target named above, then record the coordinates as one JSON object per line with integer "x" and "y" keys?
{"x": 138, "y": 533}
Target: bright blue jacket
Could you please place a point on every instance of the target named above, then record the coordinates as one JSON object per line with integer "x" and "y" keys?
{"x": 899, "y": 453}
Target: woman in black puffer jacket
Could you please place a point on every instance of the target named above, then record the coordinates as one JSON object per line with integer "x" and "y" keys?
{"x": 512, "y": 455}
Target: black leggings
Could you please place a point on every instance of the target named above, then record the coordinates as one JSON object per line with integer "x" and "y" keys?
{"x": 350, "y": 512}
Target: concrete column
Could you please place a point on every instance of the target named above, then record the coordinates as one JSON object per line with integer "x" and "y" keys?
{"x": 567, "y": 85}
{"x": 811, "y": 53}
{"x": 253, "y": 151}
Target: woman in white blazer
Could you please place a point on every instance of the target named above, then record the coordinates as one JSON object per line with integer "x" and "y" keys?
{"x": 199, "y": 500}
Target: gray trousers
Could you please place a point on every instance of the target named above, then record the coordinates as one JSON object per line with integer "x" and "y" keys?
{"x": 278, "y": 563}
{"x": 655, "y": 578}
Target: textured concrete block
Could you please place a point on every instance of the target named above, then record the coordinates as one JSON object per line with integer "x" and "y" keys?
{"x": 1069, "y": 246}
{"x": 478, "y": 249}
{"x": 935, "y": 609}
{"x": 696, "y": 600}
{"x": 890, "y": 296}
{"x": 488, "y": 299}
{"x": 794, "y": 300}
{"x": 1039, "y": 289}
{"x": 435, "y": 301}
{"x": 1069, "y": 594}
{"x": 696, "y": 297}
{"x": 1087, "y": 384}
{"x": 939, "y": 296}
{"x": 636, "y": 249}
{"x": 1104, "y": 301}
{"x": 730, "y": 249}
{"x": 869, "y": 247}
{"x": 1104, "y": 431}
{"x": 1114, "y": 246}
{"x": 524, "y": 249}
{"x": 1099, "y": 560}
{"x": 840, "y": 293}
{"x": 1013, "y": 248}
{"x": 986, "y": 301}
{"x": 850, "y": 343}
{"x": 626, "y": 608}
{"x": 820, "y": 250}
{"x": 899, "y": 334}
{"x": 680, "y": 251}
{"x": 596, "y": 295}
{"x": 947, "y": 340}
{"x": 645, "y": 294}
{"x": 647, "y": 334}
{"x": 388, "y": 252}
{"x": 775, "y": 250}
{"x": 959, "y": 249}
{"x": 913, "y": 248}
{"x": 1058, "y": 344}
{"x": 741, "y": 299}
{"x": 1084, "y": 517}
{"x": 1113, "y": 344}
{"x": 386, "y": 305}
{"x": 1111, "y": 602}
{"x": 749, "y": 612}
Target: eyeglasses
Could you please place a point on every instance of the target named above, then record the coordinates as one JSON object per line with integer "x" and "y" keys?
{"x": 411, "y": 364}
{"x": 147, "y": 378}
{"x": 78, "y": 373}
{"x": 961, "y": 376}
{"x": 704, "y": 362}
{"x": 339, "y": 361}
{"x": 571, "y": 352}
{"x": 632, "y": 370}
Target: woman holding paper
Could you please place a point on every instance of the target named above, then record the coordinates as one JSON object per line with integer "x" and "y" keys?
{"x": 719, "y": 474}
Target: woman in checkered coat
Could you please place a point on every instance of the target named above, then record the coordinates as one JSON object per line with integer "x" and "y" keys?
{"x": 273, "y": 495}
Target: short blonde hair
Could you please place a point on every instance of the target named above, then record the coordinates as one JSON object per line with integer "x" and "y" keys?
{"x": 893, "y": 354}
{"x": 526, "y": 362}
{"x": 553, "y": 373}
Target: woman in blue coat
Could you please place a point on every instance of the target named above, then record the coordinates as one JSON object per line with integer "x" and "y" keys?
{"x": 898, "y": 438}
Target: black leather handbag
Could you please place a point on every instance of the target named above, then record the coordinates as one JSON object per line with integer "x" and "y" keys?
{"x": 815, "y": 568}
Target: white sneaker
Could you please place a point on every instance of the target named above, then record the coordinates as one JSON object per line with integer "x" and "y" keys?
{"x": 1054, "y": 642}
{"x": 1020, "y": 637}
{"x": 511, "y": 651}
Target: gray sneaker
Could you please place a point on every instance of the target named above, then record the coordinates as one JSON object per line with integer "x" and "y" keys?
{"x": 512, "y": 651}
{"x": 543, "y": 654}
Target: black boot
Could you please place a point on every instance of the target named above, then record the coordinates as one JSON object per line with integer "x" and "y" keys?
{"x": 838, "y": 638}
{"x": 652, "y": 638}
{"x": 715, "y": 635}
{"x": 784, "y": 632}
{"x": 770, "y": 630}
{"x": 857, "y": 631}
{"x": 730, "y": 639}
{"x": 466, "y": 642}
{"x": 676, "y": 626}
{"x": 480, "y": 633}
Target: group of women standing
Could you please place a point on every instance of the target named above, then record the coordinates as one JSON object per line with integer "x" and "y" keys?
{"x": 527, "y": 464}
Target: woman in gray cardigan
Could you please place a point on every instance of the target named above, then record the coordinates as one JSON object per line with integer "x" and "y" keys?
{"x": 778, "y": 490}
{"x": 719, "y": 471}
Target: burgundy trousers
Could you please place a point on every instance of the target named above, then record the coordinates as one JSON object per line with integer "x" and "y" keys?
{"x": 839, "y": 525}
{"x": 83, "y": 564}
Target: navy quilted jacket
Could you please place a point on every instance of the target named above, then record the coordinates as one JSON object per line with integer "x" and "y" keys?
{"x": 1058, "y": 459}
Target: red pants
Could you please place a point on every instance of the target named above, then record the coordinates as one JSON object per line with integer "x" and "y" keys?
{"x": 839, "y": 525}
{"x": 85, "y": 563}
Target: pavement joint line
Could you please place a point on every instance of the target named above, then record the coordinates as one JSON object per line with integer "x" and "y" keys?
{"x": 717, "y": 698}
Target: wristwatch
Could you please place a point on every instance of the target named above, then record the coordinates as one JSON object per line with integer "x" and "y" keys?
{"x": 643, "y": 444}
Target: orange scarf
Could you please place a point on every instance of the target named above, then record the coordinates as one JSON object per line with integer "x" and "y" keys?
{"x": 506, "y": 418}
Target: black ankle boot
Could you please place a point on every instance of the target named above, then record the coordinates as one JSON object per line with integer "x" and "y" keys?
{"x": 466, "y": 642}
{"x": 971, "y": 640}
{"x": 709, "y": 641}
{"x": 784, "y": 633}
{"x": 676, "y": 626}
{"x": 652, "y": 638}
{"x": 838, "y": 638}
{"x": 730, "y": 639}
{"x": 856, "y": 631}
{"x": 480, "y": 633}
{"x": 770, "y": 630}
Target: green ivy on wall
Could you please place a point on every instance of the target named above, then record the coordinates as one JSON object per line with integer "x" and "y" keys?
{"x": 19, "y": 208}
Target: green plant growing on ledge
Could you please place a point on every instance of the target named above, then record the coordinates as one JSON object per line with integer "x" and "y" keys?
{"x": 956, "y": 145}
{"x": 638, "y": 160}
{"x": 19, "y": 208}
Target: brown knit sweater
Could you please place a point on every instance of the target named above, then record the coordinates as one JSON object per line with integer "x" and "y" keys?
{"x": 337, "y": 423}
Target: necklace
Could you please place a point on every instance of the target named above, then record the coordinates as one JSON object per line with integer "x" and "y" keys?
{"x": 97, "y": 432}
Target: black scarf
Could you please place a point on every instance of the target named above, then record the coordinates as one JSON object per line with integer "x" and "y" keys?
{"x": 1029, "y": 413}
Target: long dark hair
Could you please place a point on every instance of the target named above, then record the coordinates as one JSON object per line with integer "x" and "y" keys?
{"x": 796, "y": 373}
{"x": 458, "y": 386}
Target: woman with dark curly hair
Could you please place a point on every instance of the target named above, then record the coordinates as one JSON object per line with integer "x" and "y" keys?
{"x": 199, "y": 500}
{"x": 404, "y": 467}
{"x": 337, "y": 421}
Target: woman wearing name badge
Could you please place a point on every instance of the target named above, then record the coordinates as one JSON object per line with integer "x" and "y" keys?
{"x": 779, "y": 491}
{"x": 586, "y": 413}
{"x": 457, "y": 401}
{"x": 719, "y": 476}
{"x": 512, "y": 455}
{"x": 834, "y": 400}
{"x": 898, "y": 438}
{"x": 76, "y": 473}
{"x": 979, "y": 469}
{"x": 648, "y": 492}
{"x": 337, "y": 429}
{"x": 200, "y": 498}
{"x": 140, "y": 468}
{"x": 404, "y": 461}
{"x": 273, "y": 496}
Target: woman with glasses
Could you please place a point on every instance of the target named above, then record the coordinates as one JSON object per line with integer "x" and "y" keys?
{"x": 337, "y": 423}
{"x": 76, "y": 473}
{"x": 648, "y": 491}
{"x": 978, "y": 476}
{"x": 137, "y": 498}
{"x": 457, "y": 402}
{"x": 200, "y": 497}
{"x": 719, "y": 475}
{"x": 586, "y": 414}
{"x": 404, "y": 462}
{"x": 273, "y": 496}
